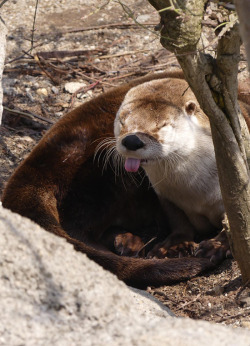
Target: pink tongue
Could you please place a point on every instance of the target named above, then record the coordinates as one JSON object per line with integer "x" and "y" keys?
{"x": 132, "y": 165}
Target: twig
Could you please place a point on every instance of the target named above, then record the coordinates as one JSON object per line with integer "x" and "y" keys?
{"x": 33, "y": 27}
{"x": 3, "y": 2}
{"x": 188, "y": 303}
{"x": 95, "y": 68}
{"x": 60, "y": 54}
{"x": 23, "y": 55}
{"x": 12, "y": 129}
{"x": 125, "y": 75}
{"x": 37, "y": 59}
{"x": 91, "y": 78}
{"x": 57, "y": 69}
{"x": 108, "y": 26}
{"x": 95, "y": 79}
{"x": 234, "y": 316}
{"x": 30, "y": 115}
{"x": 124, "y": 53}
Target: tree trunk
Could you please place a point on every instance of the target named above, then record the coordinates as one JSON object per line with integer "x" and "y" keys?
{"x": 243, "y": 9}
{"x": 214, "y": 83}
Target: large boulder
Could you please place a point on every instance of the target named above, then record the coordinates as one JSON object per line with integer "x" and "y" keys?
{"x": 53, "y": 295}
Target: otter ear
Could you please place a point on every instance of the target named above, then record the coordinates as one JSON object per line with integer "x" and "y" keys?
{"x": 190, "y": 107}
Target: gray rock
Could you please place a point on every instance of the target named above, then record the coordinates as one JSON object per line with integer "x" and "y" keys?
{"x": 10, "y": 91}
{"x": 53, "y": 295}
{"x": 29, "y": 94}
{"x": 55, "y": 90}
{"x": 8, "y": 82}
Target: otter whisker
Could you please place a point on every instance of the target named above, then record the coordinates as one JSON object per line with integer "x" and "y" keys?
{"x": 107, "y": 156}
{"x": 106, "y": 150}
{"x": 98, "y": 139}
{"x": 158, "y": 182}
{"x": 102, "y": 146}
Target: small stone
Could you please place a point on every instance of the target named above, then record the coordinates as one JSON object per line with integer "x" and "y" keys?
{"x": 55, "y": 90}
{"x": 72, "y": 87}
{"x": 42, "y": 92}
{"x": 89, "y": 93}
{"x": 31, "y": 79}
{"x": 245, "y": 324}
{"x": 10, "y": 91}
{"x": 59, "y": 114}
{"x": 8, "y": 82}
{"x": 27, "y": 139}
{"x": 245, "y": 302}
{"x": 217, "y": 290}
{"x": 28, "y": 93}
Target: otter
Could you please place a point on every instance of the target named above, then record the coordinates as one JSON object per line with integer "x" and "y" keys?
{"x": 161, "y": 128}
{"x": 63, "y": 188}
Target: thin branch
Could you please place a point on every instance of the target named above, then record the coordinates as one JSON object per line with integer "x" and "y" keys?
{"x": 60, "y": 54}
{"x": 29, "y": 115}
{"x": 33, "y": 27}
{"x": 3, "y": 2}
{"x": 240, "y": 314}
{"x": 108, "y": 26}
{"x": 125, "y": 53}
{"x": 37, "y": 59}
{"x": 23, "y": 55}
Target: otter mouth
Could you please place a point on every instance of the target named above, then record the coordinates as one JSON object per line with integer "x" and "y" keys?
{"x": 132, "y": 165}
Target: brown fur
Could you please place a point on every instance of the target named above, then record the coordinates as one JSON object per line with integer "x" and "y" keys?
{"x": 60, "y": 187}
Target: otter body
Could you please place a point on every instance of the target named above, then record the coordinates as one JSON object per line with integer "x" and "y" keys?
{"x": 63, "y": 188}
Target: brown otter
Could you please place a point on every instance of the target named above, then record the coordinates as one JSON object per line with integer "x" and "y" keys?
{"x": 61, "y": 187}
{"x": 161, "y": 127}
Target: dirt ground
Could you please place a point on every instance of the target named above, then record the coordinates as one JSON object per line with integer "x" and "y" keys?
{"x": 101, "y": 48}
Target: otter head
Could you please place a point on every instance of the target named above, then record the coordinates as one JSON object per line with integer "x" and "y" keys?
{"x": 156, "y": 121}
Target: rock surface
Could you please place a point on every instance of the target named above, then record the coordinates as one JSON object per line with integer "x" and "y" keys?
{"x": 53, "y": 295}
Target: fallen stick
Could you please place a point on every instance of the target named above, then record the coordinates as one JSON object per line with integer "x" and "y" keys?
{"x": 37, "y": 59}
{"x": 29, "y": 115}
{"x": 108, "y": 26}
{"x": 124, "y": 53}
{"x": 59, "y": 54}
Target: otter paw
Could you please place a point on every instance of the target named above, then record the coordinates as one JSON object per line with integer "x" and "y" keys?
{"x": 128, "y": 244}
{"x": 162, "y": 250}
{"x": 216, "y": 249}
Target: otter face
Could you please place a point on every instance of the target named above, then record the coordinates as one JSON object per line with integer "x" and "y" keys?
{"x": 154, "y": 122}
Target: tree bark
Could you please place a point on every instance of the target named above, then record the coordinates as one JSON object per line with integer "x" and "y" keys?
{"x": 214, "y": 83}
{"x": 243, "y": 10}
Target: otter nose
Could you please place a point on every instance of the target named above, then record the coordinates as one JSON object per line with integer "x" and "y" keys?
{"x": 132, "y": 142}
